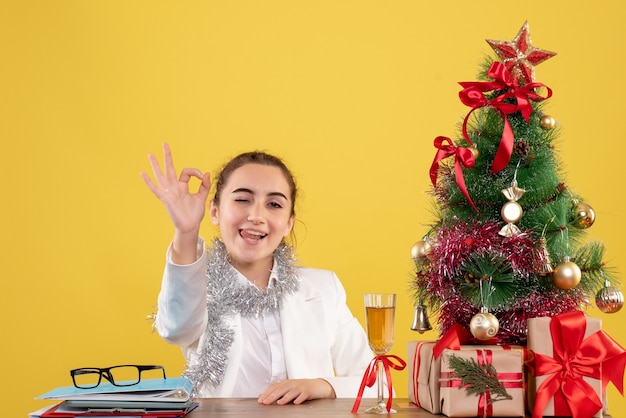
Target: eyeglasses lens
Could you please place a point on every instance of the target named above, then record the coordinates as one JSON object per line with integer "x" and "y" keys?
{"x": 86, "y": 378}
{"x": 124, "y": 375}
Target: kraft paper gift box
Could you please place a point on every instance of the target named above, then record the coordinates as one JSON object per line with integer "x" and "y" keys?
{"x": 425, "y": 370}
{"x": 540, "y": 342}
{"x": 424, "y": 375}
{"x": 509, "y": 365}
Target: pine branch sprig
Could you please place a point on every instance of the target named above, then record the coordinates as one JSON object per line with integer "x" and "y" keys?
{"x": 476, "y": 379}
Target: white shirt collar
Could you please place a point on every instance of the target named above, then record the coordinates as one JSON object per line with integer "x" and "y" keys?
{"x": 272, "y": 280}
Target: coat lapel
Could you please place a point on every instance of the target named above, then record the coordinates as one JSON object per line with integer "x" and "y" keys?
{"x": 304, "y": 326}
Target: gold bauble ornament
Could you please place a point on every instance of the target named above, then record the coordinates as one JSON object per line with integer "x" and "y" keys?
{"x": 484, "y": 325}
{"x": 566, "y": 274}
{"x": 609, "y": 299}
{"x": 584, "y": 216}
{"x": 547, "y": 122}
{"x": 475, "y": 153}
{"x": 420, "y": 249}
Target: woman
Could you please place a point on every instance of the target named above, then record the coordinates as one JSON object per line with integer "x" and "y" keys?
{"x": 250, "y": 322}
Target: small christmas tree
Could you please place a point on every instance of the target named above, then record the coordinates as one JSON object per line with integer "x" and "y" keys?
{"x": 508, "y": 243}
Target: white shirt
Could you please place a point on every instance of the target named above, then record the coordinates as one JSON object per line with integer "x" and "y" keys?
{"x": 263, "y": 357}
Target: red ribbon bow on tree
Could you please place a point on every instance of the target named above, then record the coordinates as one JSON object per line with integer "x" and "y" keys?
{"x": 369, "y": 378}
{"x": 473, "y": 95}
{"x": 462, "y": 157}
{"x": 597, "y": 356}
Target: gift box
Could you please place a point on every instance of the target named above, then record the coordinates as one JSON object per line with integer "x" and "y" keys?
{"x": 503, "y": 396}
{"x": 424, "y": 376}
{"x": 573, "y": 361}
{"x": 552, "y": 341}
{"x": 425, "y": 370}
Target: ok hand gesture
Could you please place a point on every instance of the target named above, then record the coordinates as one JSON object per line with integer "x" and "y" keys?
{"x": 186, "y": 209}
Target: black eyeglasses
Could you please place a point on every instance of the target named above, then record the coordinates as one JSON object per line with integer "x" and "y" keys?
{"x": 124, "y": 375}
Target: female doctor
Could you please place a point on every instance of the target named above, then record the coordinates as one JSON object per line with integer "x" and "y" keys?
{"x": 249, "y": 321}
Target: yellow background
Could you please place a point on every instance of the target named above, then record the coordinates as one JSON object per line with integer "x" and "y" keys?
{"x": 350, "y": 93}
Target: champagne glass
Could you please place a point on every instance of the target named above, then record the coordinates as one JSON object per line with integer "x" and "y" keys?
{"x": 380, "y": 309}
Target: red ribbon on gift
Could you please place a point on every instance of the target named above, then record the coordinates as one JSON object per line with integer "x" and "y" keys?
{"x": 597, "y": 356}
{"x": 485, "y": 406}
{"x": 463, "y": 157}
{"x": 455, "y": 337}
{"x": 473, "y": 96}
{"x": 369, "y": 378}
{"x": 416, "y": 364}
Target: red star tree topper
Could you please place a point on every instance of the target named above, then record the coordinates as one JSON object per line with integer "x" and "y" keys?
{"x": 519, "y": 56}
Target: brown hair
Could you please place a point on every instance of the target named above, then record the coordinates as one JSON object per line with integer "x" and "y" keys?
{"x": 255, "y": 157}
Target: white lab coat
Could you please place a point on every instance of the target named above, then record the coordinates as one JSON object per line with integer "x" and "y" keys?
{"x": 321, "y": 337}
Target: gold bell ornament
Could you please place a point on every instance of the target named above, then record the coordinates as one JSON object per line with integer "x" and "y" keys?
{"x": 420, "y": 319}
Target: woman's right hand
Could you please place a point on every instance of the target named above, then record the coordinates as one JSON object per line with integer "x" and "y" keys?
{"x": 186, "y": 209}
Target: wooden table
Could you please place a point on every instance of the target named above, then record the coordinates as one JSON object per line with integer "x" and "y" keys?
{"x": 249, "y": 408}
{"x": 340, "y": 408}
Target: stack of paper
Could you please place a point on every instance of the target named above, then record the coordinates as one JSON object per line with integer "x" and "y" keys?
{"x": 149, "y": 398}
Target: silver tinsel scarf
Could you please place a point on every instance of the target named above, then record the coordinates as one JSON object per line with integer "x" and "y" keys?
{"x": 226, "y": 296}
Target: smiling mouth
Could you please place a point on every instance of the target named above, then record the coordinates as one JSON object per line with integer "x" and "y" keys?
{"x": 250, "y": 234}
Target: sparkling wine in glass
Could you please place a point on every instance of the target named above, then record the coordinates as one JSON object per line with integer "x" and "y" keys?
{"x": 380, "y": 309}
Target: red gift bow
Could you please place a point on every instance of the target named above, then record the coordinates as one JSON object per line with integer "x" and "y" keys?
{"x": 473, "y": 95}
{"x": 462, "y": 157}
{"x": 455, "y": 337}
{"x": 485, "y": 406}
{"x": 369, "y": 378}
{"x": 597, "y": 356}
